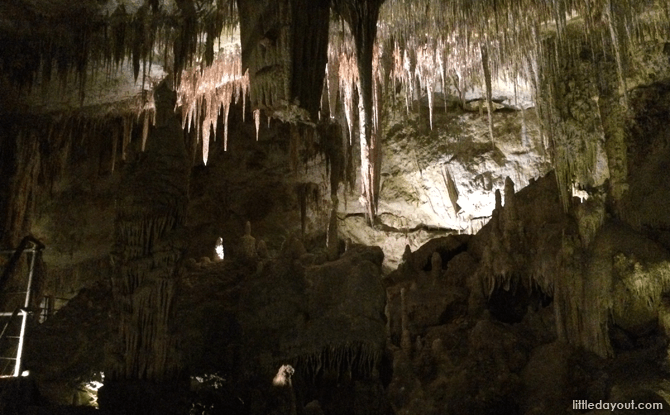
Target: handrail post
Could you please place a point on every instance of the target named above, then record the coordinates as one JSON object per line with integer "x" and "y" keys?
{"x": 26, "y": 305}
{"x": 19, "y": 350}
{"x": 37, "y": 247}
{"x": 30, "y": 278}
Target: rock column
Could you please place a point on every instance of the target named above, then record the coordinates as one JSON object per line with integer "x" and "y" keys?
{"x": 143, "y": 365}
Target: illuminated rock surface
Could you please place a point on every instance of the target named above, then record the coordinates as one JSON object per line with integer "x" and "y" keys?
{"x": 426, "y": 207}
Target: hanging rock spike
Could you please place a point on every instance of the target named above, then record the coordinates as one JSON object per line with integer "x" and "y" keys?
{"x": 257, "y": 121}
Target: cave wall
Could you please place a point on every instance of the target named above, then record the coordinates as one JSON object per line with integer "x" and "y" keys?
{"x": 602, "y": 261}
{"x": 441, "y": 180}
{"x": 19, "y": 179}
{"x": 526, "y": 315}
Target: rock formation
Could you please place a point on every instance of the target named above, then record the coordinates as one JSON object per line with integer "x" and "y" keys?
{"x": 248, "y": 244}
{"x": 147, "y": 260}
{"x": 463, "y": 205}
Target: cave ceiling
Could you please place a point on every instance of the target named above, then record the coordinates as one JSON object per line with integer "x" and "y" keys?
{"x": 134, "y": 42}
{"x": 299, "y": 61}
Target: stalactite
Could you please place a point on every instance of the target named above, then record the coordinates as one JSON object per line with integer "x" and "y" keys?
{"x": 205, "y": 144}
{"x": 487, "y": 80}
{"x": 203, "y": 92}
{"x": 363, "y": 25}
{"x": 226, "y": 110}
{"x": 348, "y": 77}
{"x": 340, "y": 360}
{"x": 145, "y": 130}
{"x": 332, "y": 240}
{"x": 616, "y": 44}
{"x": 118, "y": 27}
{"x": 332, "y": 80}
{"x": 430, "y": 106}
{"x": 115, "y": 141}
{"x": 16, "y": 217}
{"x": 443, "y": 69}
{"x": 257, "y": 121}
{"x": 127, "y": 136}
{"x": 90, "y": 42}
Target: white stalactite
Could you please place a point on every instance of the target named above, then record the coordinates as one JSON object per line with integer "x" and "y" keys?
{"x": 257, "y": 121}
{"x": 225, "y": 127}
{"x": 207, "y": 91}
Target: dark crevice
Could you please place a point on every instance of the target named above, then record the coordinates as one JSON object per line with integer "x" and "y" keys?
{"x": 446, "y": 255}
{"x": 387, "y": 228}
{"x": 511, "y": 305}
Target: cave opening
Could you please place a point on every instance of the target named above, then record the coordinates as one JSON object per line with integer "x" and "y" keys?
{"x": 446, "y": 255}
{"x": 511, "y": 305}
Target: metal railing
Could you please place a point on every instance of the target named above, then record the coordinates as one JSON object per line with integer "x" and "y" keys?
{"x": 32, "y": 246}
{"x": 50, "y": 306}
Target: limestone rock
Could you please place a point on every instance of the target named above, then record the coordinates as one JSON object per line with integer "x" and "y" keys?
{"x": 248, "y": 249}
{"x": 293, "y": 248}
{"x": 262, "y": 250}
